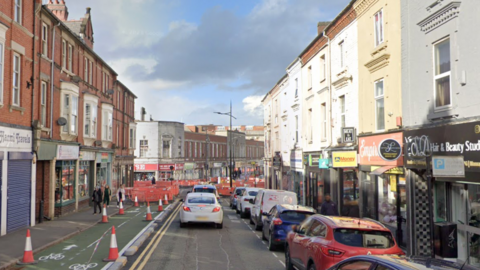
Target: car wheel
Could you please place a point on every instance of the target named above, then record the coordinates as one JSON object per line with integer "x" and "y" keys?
{"x": 182, "y": 225}
{"x": 219, "y": 226}
{"x": 263, "y": 235}
{"x": 257, "y": 227}
{"x": 242, "y": 214}
{"x": 251, "y": 221}
{"x": 288, "y": 260}
{"x": 312, "y": 267}
{"x": 271, "y": 245}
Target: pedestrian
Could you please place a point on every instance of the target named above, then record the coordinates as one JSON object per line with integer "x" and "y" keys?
{"x": 97, "y": 199}
{"x": 107, "y": 194}
{"x": 120, "y": 195}
{"x": 328, "y": 208}
{"x": 153, "y": 180}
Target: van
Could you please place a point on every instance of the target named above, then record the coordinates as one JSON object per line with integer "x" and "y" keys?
{"x": 265, "y": 200}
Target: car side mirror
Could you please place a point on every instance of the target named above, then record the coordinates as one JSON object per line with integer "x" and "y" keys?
{"x": 251, "y": 201}
{"x": 182, "y": 200}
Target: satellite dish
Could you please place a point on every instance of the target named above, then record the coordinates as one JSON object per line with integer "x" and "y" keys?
{"x": 110, "y": 91}
{"x": 62, "y": 121}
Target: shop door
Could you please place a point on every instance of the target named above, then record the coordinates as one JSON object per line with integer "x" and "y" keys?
{"x": 401, "y": 210}
{"x": 18, "y": 194}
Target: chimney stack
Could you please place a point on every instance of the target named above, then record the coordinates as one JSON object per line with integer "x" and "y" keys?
{"x": 321, "y": 26}
{"x": 59, "y": 9}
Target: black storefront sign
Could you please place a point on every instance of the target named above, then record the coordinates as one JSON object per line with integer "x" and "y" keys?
{"x": 348, "y": 135}
{"x": 453, "y": 140}
{"x": 390, "y": 150}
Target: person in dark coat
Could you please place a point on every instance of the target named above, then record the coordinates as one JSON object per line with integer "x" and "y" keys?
{"x": 329, "y": 208}
{"x": 153, "y": 180}
{"x": 97, "y": 200}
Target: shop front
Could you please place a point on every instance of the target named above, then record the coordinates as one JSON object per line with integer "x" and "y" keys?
{"x": 296, "y": 173}
{"x": 86, "y": 178}
{"x": 145, "y": 172}
{"x": 217, "y": 169}
{"x": 344, "y": 164}
{"x": 383, "y": 193}
{"x": 445, "y": 161}
{"x": 66, "y": 179}
{"x": 189, "y": 168}
{"x": 17, "y": 180}
{"x": 165, "y": 171}
{"x": 317, "y": 181}
{"x": 104, "y": 170}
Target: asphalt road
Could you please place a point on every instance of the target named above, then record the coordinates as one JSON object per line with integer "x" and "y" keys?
{"x": 236, "y": 246}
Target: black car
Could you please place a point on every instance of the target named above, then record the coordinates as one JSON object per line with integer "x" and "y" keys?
{"x": 393, "y": 262}
{"x": 279, "y": 222}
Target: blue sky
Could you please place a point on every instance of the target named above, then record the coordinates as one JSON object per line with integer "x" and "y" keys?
{"x": 185, "y": 59}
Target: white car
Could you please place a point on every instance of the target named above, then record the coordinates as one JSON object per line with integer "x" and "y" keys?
{"x": 201, "y": 208}
{"x": 243, "y": 205}
{"x": 206, "y": 189}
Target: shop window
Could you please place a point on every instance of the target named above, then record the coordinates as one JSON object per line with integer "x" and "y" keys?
{"x": 65, "y": 182}
{"x": 351, "y": 191}
{"x": 440, "y": 202}
{"x": 369, "y": 192}
{"x": 387, "y": 210}
{"x": 83, "y": 177}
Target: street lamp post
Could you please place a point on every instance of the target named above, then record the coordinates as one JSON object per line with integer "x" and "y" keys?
{"x": 230, "y": 142}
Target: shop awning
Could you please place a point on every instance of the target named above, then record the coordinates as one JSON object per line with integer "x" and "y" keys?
{"x": 382, "y": 170}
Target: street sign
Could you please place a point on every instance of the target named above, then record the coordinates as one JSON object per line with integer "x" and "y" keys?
{"x": 448, "y": 166}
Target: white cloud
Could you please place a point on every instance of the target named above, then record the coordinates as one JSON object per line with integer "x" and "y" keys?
{"x": 253, "y": 106}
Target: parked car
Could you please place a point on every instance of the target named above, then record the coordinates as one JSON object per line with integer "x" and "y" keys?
{"x": 390, "y": 262}
{"x": 234, "y": 195}
{"x": 319, "y": 242}
{"x": 243, "y": 201}
{"x": 201, "y": 208}
{"x": 279, "y": 221}
{"x": 206, "y": 189}
{"x": 265, "y": 200}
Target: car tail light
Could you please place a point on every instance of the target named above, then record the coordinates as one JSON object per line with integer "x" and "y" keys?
{"x": 216, "y": 209}
{"x": 277, "y": 221}
{"x": 235, "y": 196}
{"x": 186, "y": 208}
{"x": 246, "y": 200}
{"x": 332, "y": 252}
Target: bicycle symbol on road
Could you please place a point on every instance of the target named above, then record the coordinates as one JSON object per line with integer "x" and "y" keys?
{"x": 78, "y": 266}
{"x": 52, "y": 256}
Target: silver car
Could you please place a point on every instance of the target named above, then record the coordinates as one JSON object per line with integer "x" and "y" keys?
{"x": 234, "y": 195}
{"x": 243, "y": 205}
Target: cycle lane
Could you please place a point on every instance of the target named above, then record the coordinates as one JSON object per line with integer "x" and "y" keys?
{"x": 88, "y": 249}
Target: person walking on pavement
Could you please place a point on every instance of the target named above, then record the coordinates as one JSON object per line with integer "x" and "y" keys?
{"x": 328, "y": 208}
{"x": 97, "y": 200}
{"x": 120, "y": 194}
{"x": 106, "y": 195}
{"x": 153, "y": 180}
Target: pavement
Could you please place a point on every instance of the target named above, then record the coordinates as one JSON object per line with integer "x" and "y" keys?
{"x": 49, "y": 233}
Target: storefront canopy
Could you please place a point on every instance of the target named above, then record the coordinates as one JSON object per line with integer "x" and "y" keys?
{"x": 382, "y": 170}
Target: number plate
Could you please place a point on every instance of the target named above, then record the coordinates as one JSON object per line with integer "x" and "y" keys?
{"x": 202, "y": 218}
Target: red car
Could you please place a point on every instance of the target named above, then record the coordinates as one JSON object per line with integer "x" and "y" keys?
{"x": 322, "y": 241}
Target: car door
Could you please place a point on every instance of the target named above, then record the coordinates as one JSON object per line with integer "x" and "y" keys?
{"x": 296, "y": 249}
{"x": 256, "y": 205}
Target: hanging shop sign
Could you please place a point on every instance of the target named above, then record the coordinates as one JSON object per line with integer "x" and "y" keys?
{"x": 452, "y": 140}
{"x": 342, "y": 159}
{"x": 384, "y": 149}
{"x": 296, "y": 159}
{"x": 323, "y": 163}
{"x": 313, "y": 159}
{"x": 349, "y": 135}
{"x": 179, "y": 166}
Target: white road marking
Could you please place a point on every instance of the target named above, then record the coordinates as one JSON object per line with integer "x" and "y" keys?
{"x": 275, "y": 255}
{"x": 232, "y": 217}
{"x": 122, "y": 224}
{"x": 235, "y": 221}
{"x": 70, "y": 247}
{"x": 282, "y": 263}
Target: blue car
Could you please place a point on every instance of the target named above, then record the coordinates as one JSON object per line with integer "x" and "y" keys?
{"x": 279, "y": 221}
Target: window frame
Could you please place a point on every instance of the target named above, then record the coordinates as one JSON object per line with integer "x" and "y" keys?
{"x": 323, "y": 66}
{"x": 342, "y": 114}
{"x": 377, "y": 98}
{"x": 441, "y": 76}
{"x": 323, "y": 113}
{"x": 43, "y": 103}
{"x": 143, "y": 148}
{"x": 90, "y": 75}
{"x": 67, "y": 112}
{"x": 70, "y": 57}
{"x": 131, "y": 138}
{"x": 296, "y": 87}
{"x": 16, "y": 83}
{"x": 44, "y": 39}
{"x": 309, "y": 77}
{"x": 107, "y": 125}
{"x": 85, "y": 70}
{"x": 17, "y": 16}
{"x": 64, "y": 54}
{"x": 342, "y": 52}
{"x": 380, "y": 31}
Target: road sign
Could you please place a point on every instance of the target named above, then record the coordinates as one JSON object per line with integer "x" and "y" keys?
{"x": 448, "y": 166}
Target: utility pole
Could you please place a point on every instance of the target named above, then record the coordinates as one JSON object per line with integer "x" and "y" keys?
{"x": 229, "y": 137}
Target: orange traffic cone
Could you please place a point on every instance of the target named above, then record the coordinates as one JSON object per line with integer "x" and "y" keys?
{"x": 160, "y": 206}
{"x": 28, "y": 253}
{"x": 121, "y": 211}
{"x": 136, "y": 201}
{"x": 148, "y": 217}
{"x": 104, "y": 214}
{"x": 113, "y": 254}
{"x": 165, "y": 202}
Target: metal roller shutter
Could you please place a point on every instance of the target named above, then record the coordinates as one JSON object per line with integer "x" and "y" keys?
{"x": 18, "y": 194}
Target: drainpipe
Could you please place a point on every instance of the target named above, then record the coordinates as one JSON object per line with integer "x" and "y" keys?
{"x": 32, "y": 80}
{"x": 51, "y": 80}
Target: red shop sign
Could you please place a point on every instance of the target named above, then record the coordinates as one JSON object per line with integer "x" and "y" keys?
{"x": 179, "y": 167}
{"x": 165, "y": 167}
{"x": 385, "y": 149}
{"x": 146, "y": 167}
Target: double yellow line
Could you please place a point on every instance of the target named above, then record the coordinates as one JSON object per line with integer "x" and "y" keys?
{"x": 147, "y": 253}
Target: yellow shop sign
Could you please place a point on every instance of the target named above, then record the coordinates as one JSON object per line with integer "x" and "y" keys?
{"x": 344, "y": 159}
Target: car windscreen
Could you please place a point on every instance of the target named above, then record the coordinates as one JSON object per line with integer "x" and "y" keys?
{"x": 204, "y": 190}
{"x": 239, "y": 191}
{"x": 294, "y": 216}
{"x": 202, "y": 200}
{"x": 364, "y": 238}
{"x": 252, "y": 193}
